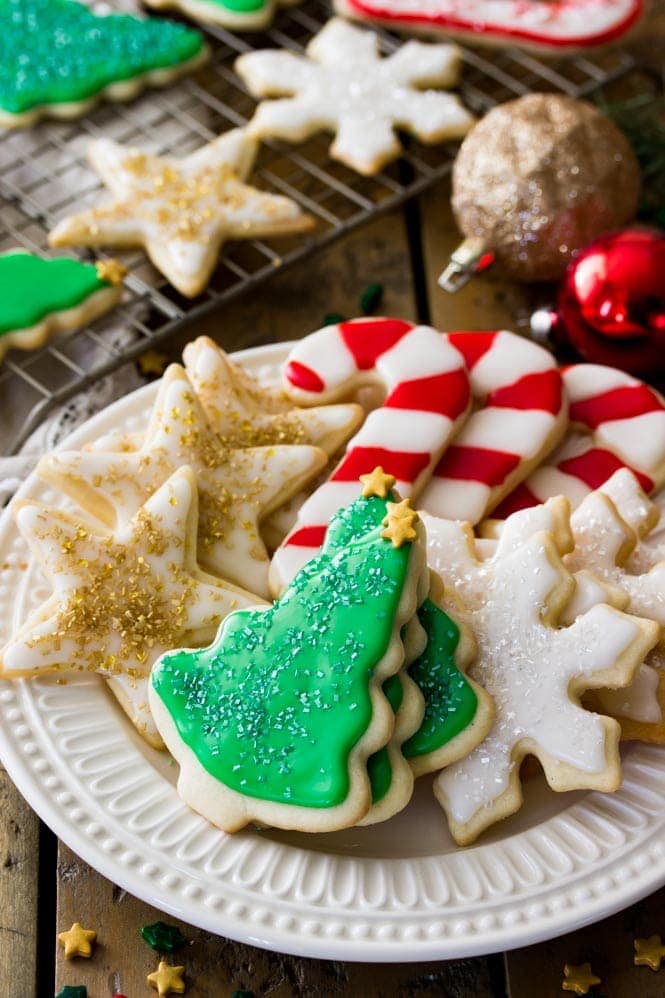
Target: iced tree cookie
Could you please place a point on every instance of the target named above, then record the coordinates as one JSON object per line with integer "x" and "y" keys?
{"x": 180, "y": 211}
{"x": 237, "y": 486}
{"x": 535, "y": 671}
{"x": 238, "y": 15}
{"x": 57, "y": 57}
{"x": 342, "y": 85}
{"x": 276, "y": 720}
{"x": 39, "y": 297}
{"x": 119, "y": 599}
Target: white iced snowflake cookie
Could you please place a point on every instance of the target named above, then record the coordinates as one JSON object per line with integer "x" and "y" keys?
{"x": 237, "y": 486}
{"x": 119, "y": 599}
{"x": 180, "y": 210}
{"x": 343, "y": 85}
{"x": 534, "y": 670}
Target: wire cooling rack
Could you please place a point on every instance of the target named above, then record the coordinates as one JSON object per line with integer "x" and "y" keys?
{"x": 44, "y": 176}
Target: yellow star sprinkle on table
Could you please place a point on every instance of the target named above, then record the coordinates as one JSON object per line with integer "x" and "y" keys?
{"x": 399, "y": 523}
{"x": 152, "y": 362}
{"x": 77, "y": 941}
{"x": 377, "y": 483}
{"x": 180, "y": 210}
{"x": 167, "y": 980}
{"x": 580, "y": 979}
{"x": 649, "y": 952}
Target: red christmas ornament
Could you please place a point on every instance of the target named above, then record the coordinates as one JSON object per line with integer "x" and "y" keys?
{"x": 611, "y": 304}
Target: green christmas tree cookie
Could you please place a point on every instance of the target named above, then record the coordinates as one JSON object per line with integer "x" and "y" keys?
{"x": 275, "y": 721}
{"x": 57, "y": 57}
{"x": 39, "y": 297}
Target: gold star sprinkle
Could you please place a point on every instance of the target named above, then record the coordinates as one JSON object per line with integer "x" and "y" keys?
{"x": 579, "y": 979}
{"x": 167, "y": 980}
{"x": 152, "y": 362}
{"x": 399, "y": 523}
{"x": 649, "y": 952}
{"x": 77, "y": 941}
{"x": 377, "y": 483}
{"x": 111, "y": 271}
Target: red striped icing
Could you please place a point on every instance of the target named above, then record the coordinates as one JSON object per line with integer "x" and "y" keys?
{"x": 596, "y": 465}
{"x": 447, "y": 394}
{"x": 520, "y": 498}
{"x": 619, "y": 403}
{"x": 368, "y": 340}
{"x": 303, "y": 377}
{"x": 404, "y": 465}
{"x": 472, "y": 346}
{"x": 542, "y": 391}
{"x": 308, "y": 537}
{"x": 477, "y": 464}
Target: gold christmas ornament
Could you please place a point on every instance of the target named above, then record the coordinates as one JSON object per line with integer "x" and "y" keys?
{"x": 534, "y": 181}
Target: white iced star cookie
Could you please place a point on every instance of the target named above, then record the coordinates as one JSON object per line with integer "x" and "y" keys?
{"x": 237, "y": 487}
{"x": 342, "y": 85}
{"x": 180, "y": 210}
{"x": 119, "y": 599}
{"x": 534, "y": 670}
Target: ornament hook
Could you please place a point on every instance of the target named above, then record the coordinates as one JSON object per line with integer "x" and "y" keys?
{"x": 468, "y": 259}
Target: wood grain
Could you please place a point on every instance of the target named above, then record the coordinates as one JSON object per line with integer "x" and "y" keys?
{"x": 19, "y": 862}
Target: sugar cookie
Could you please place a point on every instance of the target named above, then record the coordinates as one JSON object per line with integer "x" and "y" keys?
{"x": 343, "y": 85}
{"x": 238, "y": 15}
{"x": 59, "y": 57}
{"x": 550, "y": 25}
{"x": 180, "y": 211}
{"x": 535, "y": 673}
{"x": 237, "y": 487}
{"x": 39, "y": 297}
{"x": 276, "y": 720}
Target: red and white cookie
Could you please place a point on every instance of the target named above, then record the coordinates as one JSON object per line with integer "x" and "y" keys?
{"x": 553, "y": 25}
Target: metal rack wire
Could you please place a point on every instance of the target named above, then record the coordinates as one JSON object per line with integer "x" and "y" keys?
{"x": 44, "y": 175}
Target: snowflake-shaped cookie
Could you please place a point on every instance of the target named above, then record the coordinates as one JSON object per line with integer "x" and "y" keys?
{"x": 534, "y": 670}
{"x": 343, "y": 85}
{"x": 180, "y": 210}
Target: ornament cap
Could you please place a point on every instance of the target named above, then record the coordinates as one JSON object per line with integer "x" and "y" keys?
{"x": 468, "y": 259}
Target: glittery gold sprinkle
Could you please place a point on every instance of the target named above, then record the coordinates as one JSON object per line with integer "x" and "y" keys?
{"x": 111, "y": 271}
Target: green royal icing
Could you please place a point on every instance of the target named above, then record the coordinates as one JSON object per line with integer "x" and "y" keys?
{"x": 274, "y": 707}
{"x": 379, "y": 770}
{"x": 240, "y": 6}
{"x": 32, "y": 288}
{"x": 58, "y": 51}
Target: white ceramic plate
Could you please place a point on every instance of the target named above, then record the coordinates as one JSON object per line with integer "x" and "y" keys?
{"x": 394, "y": 892}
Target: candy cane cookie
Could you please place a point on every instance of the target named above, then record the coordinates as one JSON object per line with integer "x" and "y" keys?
{"x": 522, "y": 415}
{"x": 616, "y": 421}
{"x": 428, "y": 397}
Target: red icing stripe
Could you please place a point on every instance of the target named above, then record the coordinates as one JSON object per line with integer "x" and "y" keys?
{"x": 477, "y": 464}
{"x": 447, "y": 394}
{"x": 404, "y": 465}
{"x": 472, "y": 346}
{"x": 595, "y": 466}
{"x": 307, "y": 537}
{"x": 303, "y": 377}
{"x": 369, "y": 339}
{"x": 540, "y": 391}
{"x": 620, "y": 403}
{"x": 520, "y": 498}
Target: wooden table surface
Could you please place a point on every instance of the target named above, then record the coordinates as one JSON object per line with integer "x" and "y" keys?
{"x": 44, "y": 887}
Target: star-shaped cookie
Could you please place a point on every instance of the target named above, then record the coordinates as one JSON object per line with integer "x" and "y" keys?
{"x": 119, "y": 599}
{"x": 342, "y": 85}
{"x": 237, "y": 486}
{"x": 180, "y": 210}
{"x": 247, "y": 414}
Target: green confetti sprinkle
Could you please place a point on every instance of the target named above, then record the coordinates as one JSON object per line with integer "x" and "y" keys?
{"x": 163, "y": 937}
{"x": 332, "y": 318}
{"x": 370, "y": 299}
{"x": 73, "y": 991}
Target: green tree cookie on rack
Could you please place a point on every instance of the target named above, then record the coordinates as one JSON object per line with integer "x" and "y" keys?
{"x": 57, "y": 57}
{"x": 275, "y": 721}
{"x": 239, "y": 15}
{"x": 39, "y": 297}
